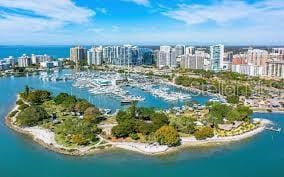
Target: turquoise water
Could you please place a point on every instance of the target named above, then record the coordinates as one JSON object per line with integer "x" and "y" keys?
{"x": 260, "y": 156}
{"x": 16, "y": 51}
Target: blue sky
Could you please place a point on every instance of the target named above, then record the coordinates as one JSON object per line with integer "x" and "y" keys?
{"x": 232, "y": 22}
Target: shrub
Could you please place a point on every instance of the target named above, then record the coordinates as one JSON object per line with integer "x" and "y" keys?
{"x": 167, "y": 135}
{"x": 134, "y": 136}
{"x": 203, "y": 133}
{"x": 19, "y": 102}
{"x": 23, "y": 107}
{"x": 13, "y": 113}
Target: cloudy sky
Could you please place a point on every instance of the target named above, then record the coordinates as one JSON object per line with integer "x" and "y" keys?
{"x": 39, "y": 22}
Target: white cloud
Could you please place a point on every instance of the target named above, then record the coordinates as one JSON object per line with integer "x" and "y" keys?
{"x": 60, "y": 10}
{"x": 227, "y": 11}
{"x": 140, "y": 2}
{"x": 34, "y": 20}
{"x": 96, "y": 30}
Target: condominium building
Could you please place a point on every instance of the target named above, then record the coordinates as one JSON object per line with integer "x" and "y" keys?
{"x": 248, "y": 69}
{"x": 95, "y": 56}
{"x": 24, "y": 61}
{"x": 40, "y": 58}
{"x": 189, "y": 50}
{"x": 78, "y": 53}
{"x": 192, "y": 61}
{"x": 216, "y": 57}
{"x": 180, "y": 50}
{"x": 167, "y": 57}
{"x": 257, "y": 57}
{"x": 275, "y": 69}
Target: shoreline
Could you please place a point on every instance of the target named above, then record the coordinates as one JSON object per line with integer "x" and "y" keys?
{"x": 46, "y": 138}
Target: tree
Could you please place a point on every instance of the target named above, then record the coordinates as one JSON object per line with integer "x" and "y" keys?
{"x": 217, "y": 112}
{"x": 144, "y": 127}
{"x": 32, "y": 116}
{"x": 167, "y": 135}
{"x": 23, "y": 106}
{"x": 93, "y": 115}
{"x": 27, "y": 90}
{"x": 76, "y": 131}
{"x": 82, "y": 105}
{"x": 233, "y": 115}
{"x": 132, "y": 109}
{"x": 123, "y": 129}
{"x": 203, "y": 133}
{"x": 122, "y": 116}
{"x": 38, "y": 96}
{"x": 69, "y": 103}
{"x": 233, "y": 99}
{"x": 145, "y": 113}
{"x": 183, "y": 124}
{"x": 159, "y": 119}
{"x": 244, "y": 111}
{"x": 60, "y": 98}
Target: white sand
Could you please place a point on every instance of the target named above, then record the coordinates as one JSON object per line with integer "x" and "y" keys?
{"x": 48, "y": 137}
{"x": 216, "y": 139}
{"x": 142, "y": 147}
{"x": 44, "y": 135}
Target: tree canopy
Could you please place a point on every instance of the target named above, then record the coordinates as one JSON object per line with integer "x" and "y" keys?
{"x": 32, "y": 116}
{"x": 167, "y": 135}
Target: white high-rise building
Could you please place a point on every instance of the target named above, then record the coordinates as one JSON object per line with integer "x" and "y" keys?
{"x": 180, "y": 50}
{"x": 24, "y": 61}
{"x": 189, "y": 50}
{"x": 216, "y": 57}
{"x": 36, "y": 59}
{"x": 167, "y": 57}
{"x": 165, "y": 48}
{"x": 95, "y": 56}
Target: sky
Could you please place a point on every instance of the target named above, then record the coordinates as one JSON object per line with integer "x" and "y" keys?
{"x": 141, "y": 22}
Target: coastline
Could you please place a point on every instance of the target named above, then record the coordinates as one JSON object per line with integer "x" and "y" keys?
{"x": 45, "y": 138}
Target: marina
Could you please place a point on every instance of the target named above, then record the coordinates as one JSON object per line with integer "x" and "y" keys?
{"x": 20, "y": 150}
{"x": 114, "y": 84}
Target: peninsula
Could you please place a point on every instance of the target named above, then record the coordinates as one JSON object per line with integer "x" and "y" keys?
{"x": 73, "y": 126}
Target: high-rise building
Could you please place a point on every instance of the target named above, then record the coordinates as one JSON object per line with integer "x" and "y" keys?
{"x": 36, "y": 59}
{"x": 257, "y": 57}
{"x": 189, "y": 50}
{"x": 180, "y": 50}
{"x": 24, "y": 61}
{"x": 167, "y": 57}
{"x": 275, "y": 69}
{"x": 248, "y": 69}
{"x": 95, "y": 56}
{"x": 216, "y": 57}
{"x": 190, "y": 61}
{"x": 78, "y": 53}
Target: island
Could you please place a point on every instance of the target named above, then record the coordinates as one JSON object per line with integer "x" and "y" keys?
{"x": 73, "y": 126}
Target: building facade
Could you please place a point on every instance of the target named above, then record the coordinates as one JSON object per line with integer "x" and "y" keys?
{"x": 216, "y": 57}
{"x": 77, "y": 54}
